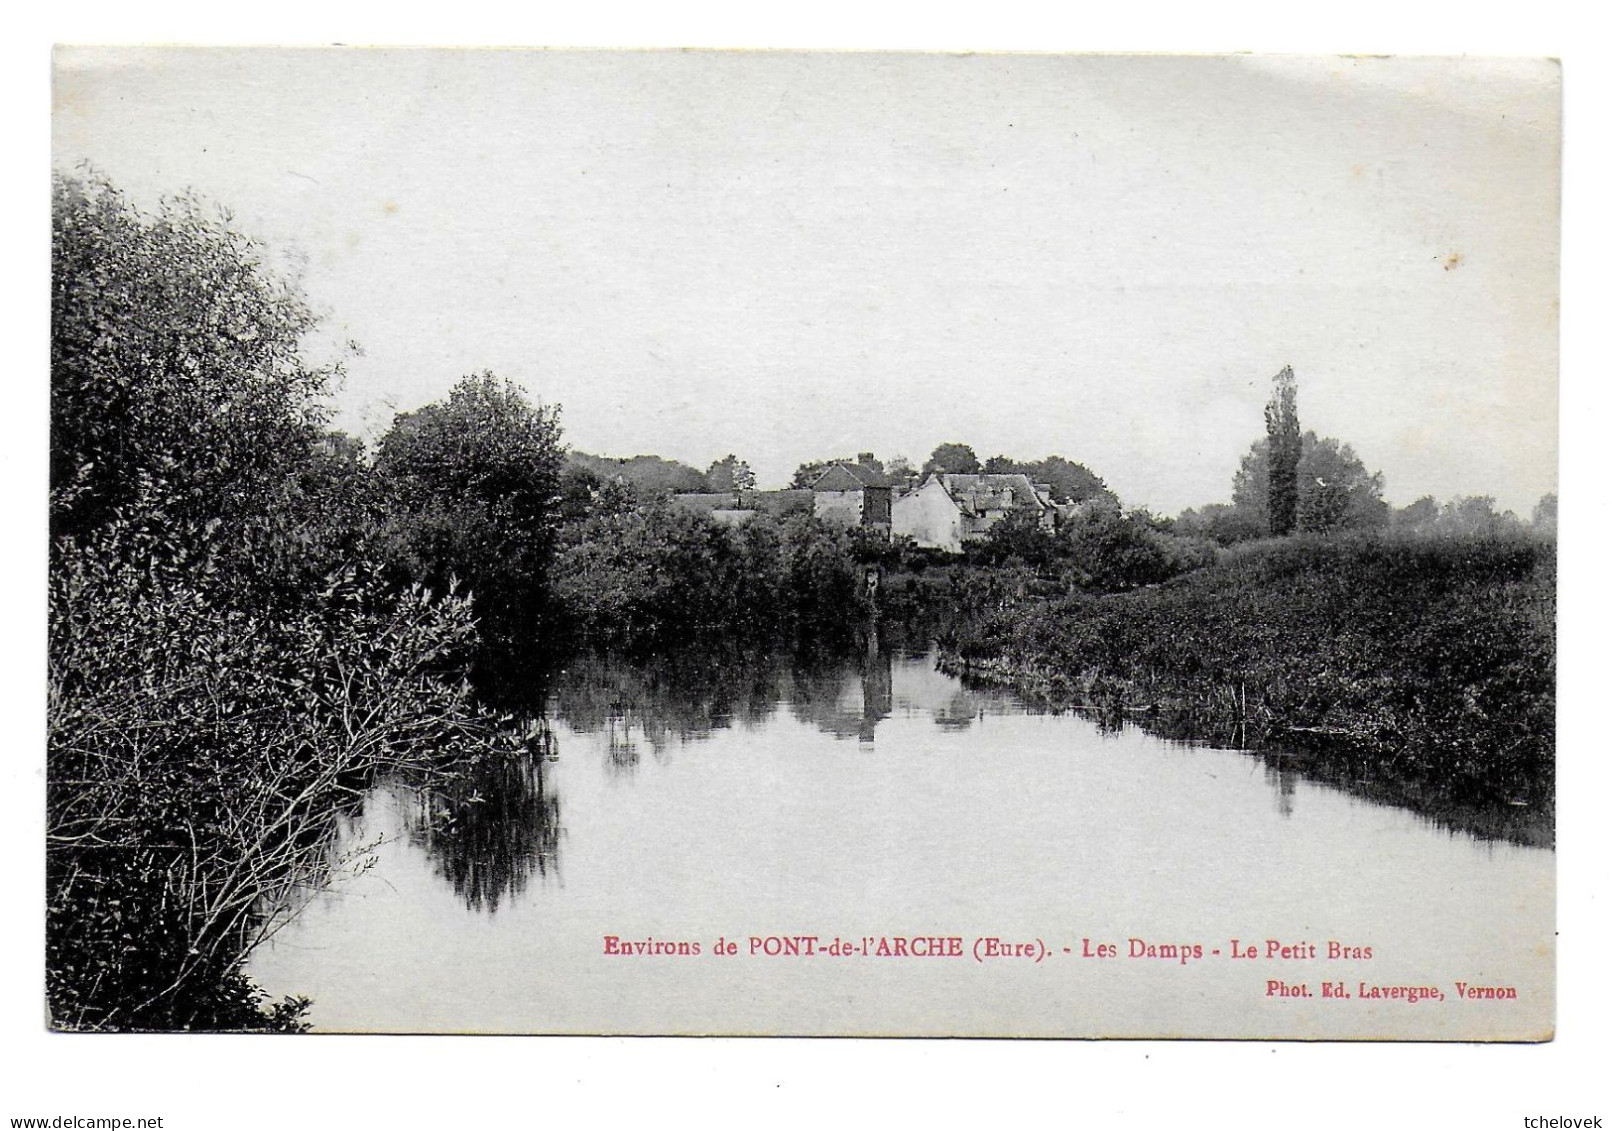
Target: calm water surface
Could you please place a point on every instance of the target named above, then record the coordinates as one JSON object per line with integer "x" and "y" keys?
{"x": 872, "y": 796}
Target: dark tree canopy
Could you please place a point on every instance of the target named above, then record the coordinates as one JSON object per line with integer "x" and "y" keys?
{"x": 174, "y": 357}
{"x": 475, "y": 485}
{"x": 487, "y": 445}
{"x": 1110, "y": 549}
{"x": 1284, "y": 449}
{"x": 225, "y": 659}
{"x": 952, "y": 459}
{"x": 179, "y": 396}
{"x": 649, "y": 475}
{"x": 1071, "y": 482}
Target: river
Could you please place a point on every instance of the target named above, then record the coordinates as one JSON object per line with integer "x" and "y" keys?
{"x": 870, "y": 799}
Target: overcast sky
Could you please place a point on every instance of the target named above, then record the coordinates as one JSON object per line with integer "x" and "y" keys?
{"x": 792, "y": 256}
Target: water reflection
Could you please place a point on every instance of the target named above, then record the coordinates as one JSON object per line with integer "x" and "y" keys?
{"x": 1316, "y": 758}
{"x": 670, "y": 699}
{"x": 649, "y": 707}
{"x": 1283, "y": 782}
{"x": 501, "y": 825}
{"x": 489, "y": 833}
{"x": 845, "y": 696}
{"x": 497, "y": 827}
{"x": 783, "y": 789}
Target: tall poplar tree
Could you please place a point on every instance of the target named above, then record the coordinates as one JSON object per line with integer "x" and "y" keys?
{"x": 1286, "y": 446}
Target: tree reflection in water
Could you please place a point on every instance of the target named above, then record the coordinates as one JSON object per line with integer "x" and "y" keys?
{"x": 1283, "y": 782}
{"x": 493, "y": 829}
{"x": 843, "y": 694}
{"x": 683, "y": 696}
{"x": 664, "y": 700}
{"x": 845, "y": 690}
{"x": 490, "y": 832}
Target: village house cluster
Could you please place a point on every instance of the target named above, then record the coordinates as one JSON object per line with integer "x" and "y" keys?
{"x": 941, "y": 511}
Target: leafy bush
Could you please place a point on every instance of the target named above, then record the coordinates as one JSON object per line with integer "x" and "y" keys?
{"x": 1017, "y": 537}
{"x": 227, "y": 670}
{"x": 175, "y": 352}
{"x": 660, "y": 572}
{"x": 199, "y": 755}
{"x": 1109, "y": 550}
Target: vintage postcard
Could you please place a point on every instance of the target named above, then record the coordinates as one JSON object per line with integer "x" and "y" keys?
{"x": 803, "y": 543}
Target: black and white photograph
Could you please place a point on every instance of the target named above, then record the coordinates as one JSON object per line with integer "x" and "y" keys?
{"x": 790, "y": 543}
{"x": 646, "y": 566}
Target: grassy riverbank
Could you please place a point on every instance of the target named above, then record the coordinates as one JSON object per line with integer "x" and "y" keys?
{"x": 1413, "y": 668}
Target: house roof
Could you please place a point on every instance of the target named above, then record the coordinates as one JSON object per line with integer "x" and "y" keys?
{"x": 848, "y": 477}
{"x": 981, "y": 493}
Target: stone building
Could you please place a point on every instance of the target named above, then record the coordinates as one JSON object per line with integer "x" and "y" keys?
{"x": 853, "y": 494}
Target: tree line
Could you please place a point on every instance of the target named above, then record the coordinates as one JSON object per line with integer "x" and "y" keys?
{"x": 1070, "y": 482}
{"x": 1293, "y": 481}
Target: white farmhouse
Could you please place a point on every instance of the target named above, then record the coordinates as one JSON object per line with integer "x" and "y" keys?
{"x": 945, "y": 511}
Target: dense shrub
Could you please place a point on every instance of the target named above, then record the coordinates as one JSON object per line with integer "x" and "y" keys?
{"x": 198, "y": 757}
{"x": 825, "y": 570}
{"x": 1019, "y": 537}
{"x": 1434, "y": 656}
{"x": 175, "y": 353}
{"x": 1109, "y": 550}
{"x": 658, "y": 572}
{"x": 631, "y": 576}
{"x": 226, "y": 669}
{"x": 1098, "y": 547}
